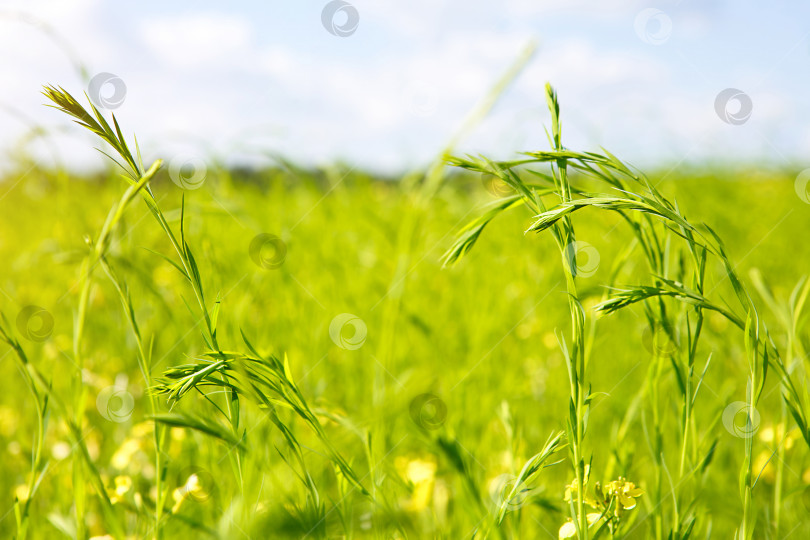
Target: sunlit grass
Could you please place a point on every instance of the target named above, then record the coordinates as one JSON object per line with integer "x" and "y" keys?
{"x": 248, "y": 418}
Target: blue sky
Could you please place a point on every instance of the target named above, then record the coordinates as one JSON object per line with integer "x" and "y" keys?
{"x": 240, "y": 80}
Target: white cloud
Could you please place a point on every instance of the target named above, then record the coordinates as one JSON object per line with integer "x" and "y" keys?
{"x": 550, "y": 7}
{"x": 201, "y": 40}
{"x": 392, "y": 94}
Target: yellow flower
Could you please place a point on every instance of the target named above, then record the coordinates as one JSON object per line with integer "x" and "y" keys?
{"x": 142, "y": 430}
{"x": 421, "y": 474}
{"x": 419, "y": 471}
{"x": 122, "y": 486}
{"x": 626, "y": 492}
{"x": 774, "y": 435}
{"x": 192, "y": 488}
{"x": 21, "y": 492}
{"x": 8, "y": 421}
{"x": 764, "y": 466}
{"x": 571, "y": 490}
{"x": 60, "y": 450}
{"x": 123, "y": 456}
{"x": 569, "y": 529}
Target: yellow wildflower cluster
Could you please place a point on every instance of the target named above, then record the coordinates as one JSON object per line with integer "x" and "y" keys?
{"x": 625, "y": 492}
{"x": 610, "y": 502}
{"x": 192, "y": 489}
{"x": 420, "y": 473}
{"x": 765, "y": 464}
{"x": 569, "y": 529}
{"x": 123, "y": 484}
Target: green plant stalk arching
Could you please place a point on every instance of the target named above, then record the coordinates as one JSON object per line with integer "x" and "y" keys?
{"x": 655, "y": 222}
{"x": 267, "y": 381}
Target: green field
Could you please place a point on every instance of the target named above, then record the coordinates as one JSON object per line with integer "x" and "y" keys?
{"x": 412, "y": 417}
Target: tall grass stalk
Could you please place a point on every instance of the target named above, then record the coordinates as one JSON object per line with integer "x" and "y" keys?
{"x": 75, "y": 434}
{"x": 655, "y": 222}
{"x": 565, "y": 238}
{"x": 267, "y": 381}
{"x": 137, "y": 177}
{"x": 39, "y": 465}
{"x": 790, "y": 317}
